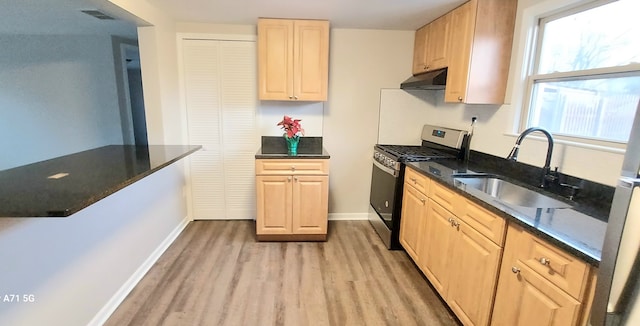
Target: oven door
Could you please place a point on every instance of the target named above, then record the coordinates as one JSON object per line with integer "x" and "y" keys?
{"x": 384, "y": 183}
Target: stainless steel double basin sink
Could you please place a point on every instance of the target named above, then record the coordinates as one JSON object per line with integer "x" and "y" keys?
{"x": 505, "y": 192}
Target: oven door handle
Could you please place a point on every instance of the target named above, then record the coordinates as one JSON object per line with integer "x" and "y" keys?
{"x": 385, "y": 169}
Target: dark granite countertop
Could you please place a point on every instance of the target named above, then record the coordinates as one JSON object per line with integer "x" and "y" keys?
{"x": 274, "y": 147}
{"x": 34, "y": 191}
{"x": 575, "y": 231}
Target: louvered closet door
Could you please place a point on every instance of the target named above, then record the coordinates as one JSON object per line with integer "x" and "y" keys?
{"x": 220, "y": 94}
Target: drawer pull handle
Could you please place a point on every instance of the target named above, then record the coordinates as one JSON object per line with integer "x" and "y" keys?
{"x": 515, "y": 270}
{"x": 544, "y": 261}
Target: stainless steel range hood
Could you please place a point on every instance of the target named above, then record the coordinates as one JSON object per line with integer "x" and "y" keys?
{"x": 432, "y": 80}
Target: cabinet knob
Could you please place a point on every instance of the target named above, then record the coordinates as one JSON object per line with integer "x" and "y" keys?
{"x": 422, "y": 200}
{"x": 460, "y": 98}
{"x": 544, "y": 261}
{"x": 413, "y": 179}
{"x": 288, "y": 179}
{"x": 293, "y": 168}
{"x": 515, "y": 270}
{"x": 290, "y": 97}
{"x": 295, "y": 97}
{"x": 295, "y": 179}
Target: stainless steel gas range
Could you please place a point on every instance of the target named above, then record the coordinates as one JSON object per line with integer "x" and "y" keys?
{"x": 387, "y": 178}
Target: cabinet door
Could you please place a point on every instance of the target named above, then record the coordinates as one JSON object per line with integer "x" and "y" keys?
{"x": 274, "y": 199}
{"x": 275, "y": 61}
{"x": 437, "y": 42}
{"x": 217, "y": 104}
{"x": 435, "y": 250}
{"x": 463, "y": 19}
{"x": 310, "y": 204}
{"x": 414, "y": 208}
{"x": 474, "y": 269}
{"x": 525, "y": 298}
{"x": 311, "y": 60}
{"x": 420, "y": 50}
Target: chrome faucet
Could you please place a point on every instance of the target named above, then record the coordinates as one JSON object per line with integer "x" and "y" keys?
{"x": 547, "y": 175}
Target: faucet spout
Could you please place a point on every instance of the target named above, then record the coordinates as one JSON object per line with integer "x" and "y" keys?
{"x": 547, "y": 174}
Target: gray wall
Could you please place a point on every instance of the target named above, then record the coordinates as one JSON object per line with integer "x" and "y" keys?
{"x": 57, "y": 96}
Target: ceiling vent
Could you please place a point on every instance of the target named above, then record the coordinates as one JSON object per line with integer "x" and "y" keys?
{"x": 98, "y": 14}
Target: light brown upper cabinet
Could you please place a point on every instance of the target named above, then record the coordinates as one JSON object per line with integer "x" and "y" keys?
{"x": 430, "y": 46}
{"x": 293, "y": 59}
{"x": 474, "y": 41}
{"x": 480, "y": 51}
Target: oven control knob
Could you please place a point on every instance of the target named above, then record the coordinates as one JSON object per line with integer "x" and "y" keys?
{"x": 376, "y": 155}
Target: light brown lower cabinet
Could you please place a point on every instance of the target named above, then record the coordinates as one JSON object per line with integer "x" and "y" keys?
{"x": 541, "y": 284}
{"x": 474, "y": 275}
{"x": 487, "y": 280}
{"x": 292, "y": 199}
{"x": 460, "y": 262}
{"x": 414, "y": 207}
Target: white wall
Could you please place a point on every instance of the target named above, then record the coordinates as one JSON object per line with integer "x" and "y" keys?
{"x": 159, "y": 65}
{"x": 361, "y": 63}
{"x": 79, "y": 268}
{"x": 57, "y": 96}
{"x": 272, "y": 112}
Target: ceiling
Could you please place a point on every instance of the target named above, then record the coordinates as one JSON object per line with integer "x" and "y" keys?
{"x": 62, "y": 17}
{"x": 358, "y": 14}
{"x": 65, "y": 16}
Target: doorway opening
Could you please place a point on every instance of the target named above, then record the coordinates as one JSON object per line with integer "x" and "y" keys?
{"x": 130, "y": 93}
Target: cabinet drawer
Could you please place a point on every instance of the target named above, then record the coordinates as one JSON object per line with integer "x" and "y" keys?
{"x": 560, "y": 268}
{"x": 485, "y": 222}
{"x": 417, "y": 180}
{"x": 293, "y": 166}
{"x": 446, "y": 197}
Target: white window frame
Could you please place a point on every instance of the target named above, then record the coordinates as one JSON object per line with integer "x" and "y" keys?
{"x": 532, "y": 77}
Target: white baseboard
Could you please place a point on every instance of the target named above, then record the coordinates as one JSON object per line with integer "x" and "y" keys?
{"x": 111, "y": 306}
{"x": 348, "y": 216}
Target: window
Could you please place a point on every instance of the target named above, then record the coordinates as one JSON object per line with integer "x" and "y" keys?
{"x": 585, "y": 81}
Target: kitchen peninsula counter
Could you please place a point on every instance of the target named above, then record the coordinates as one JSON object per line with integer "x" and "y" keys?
{"x": 65, "y": 185}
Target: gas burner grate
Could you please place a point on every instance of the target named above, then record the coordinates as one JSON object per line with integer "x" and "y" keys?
{"x": 410, "y": 153}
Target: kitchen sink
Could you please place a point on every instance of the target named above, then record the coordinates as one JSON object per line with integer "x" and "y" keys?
{"x": 507, "y": 192}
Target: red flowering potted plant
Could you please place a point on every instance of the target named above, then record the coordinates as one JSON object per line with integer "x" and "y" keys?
{"x": 293, "y": 132}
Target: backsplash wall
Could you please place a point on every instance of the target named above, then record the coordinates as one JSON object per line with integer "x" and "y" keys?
{"x": 271, "y": 112}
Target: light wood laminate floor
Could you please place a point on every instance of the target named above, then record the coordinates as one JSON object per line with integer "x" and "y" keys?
{"x": 215, "y": 273}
